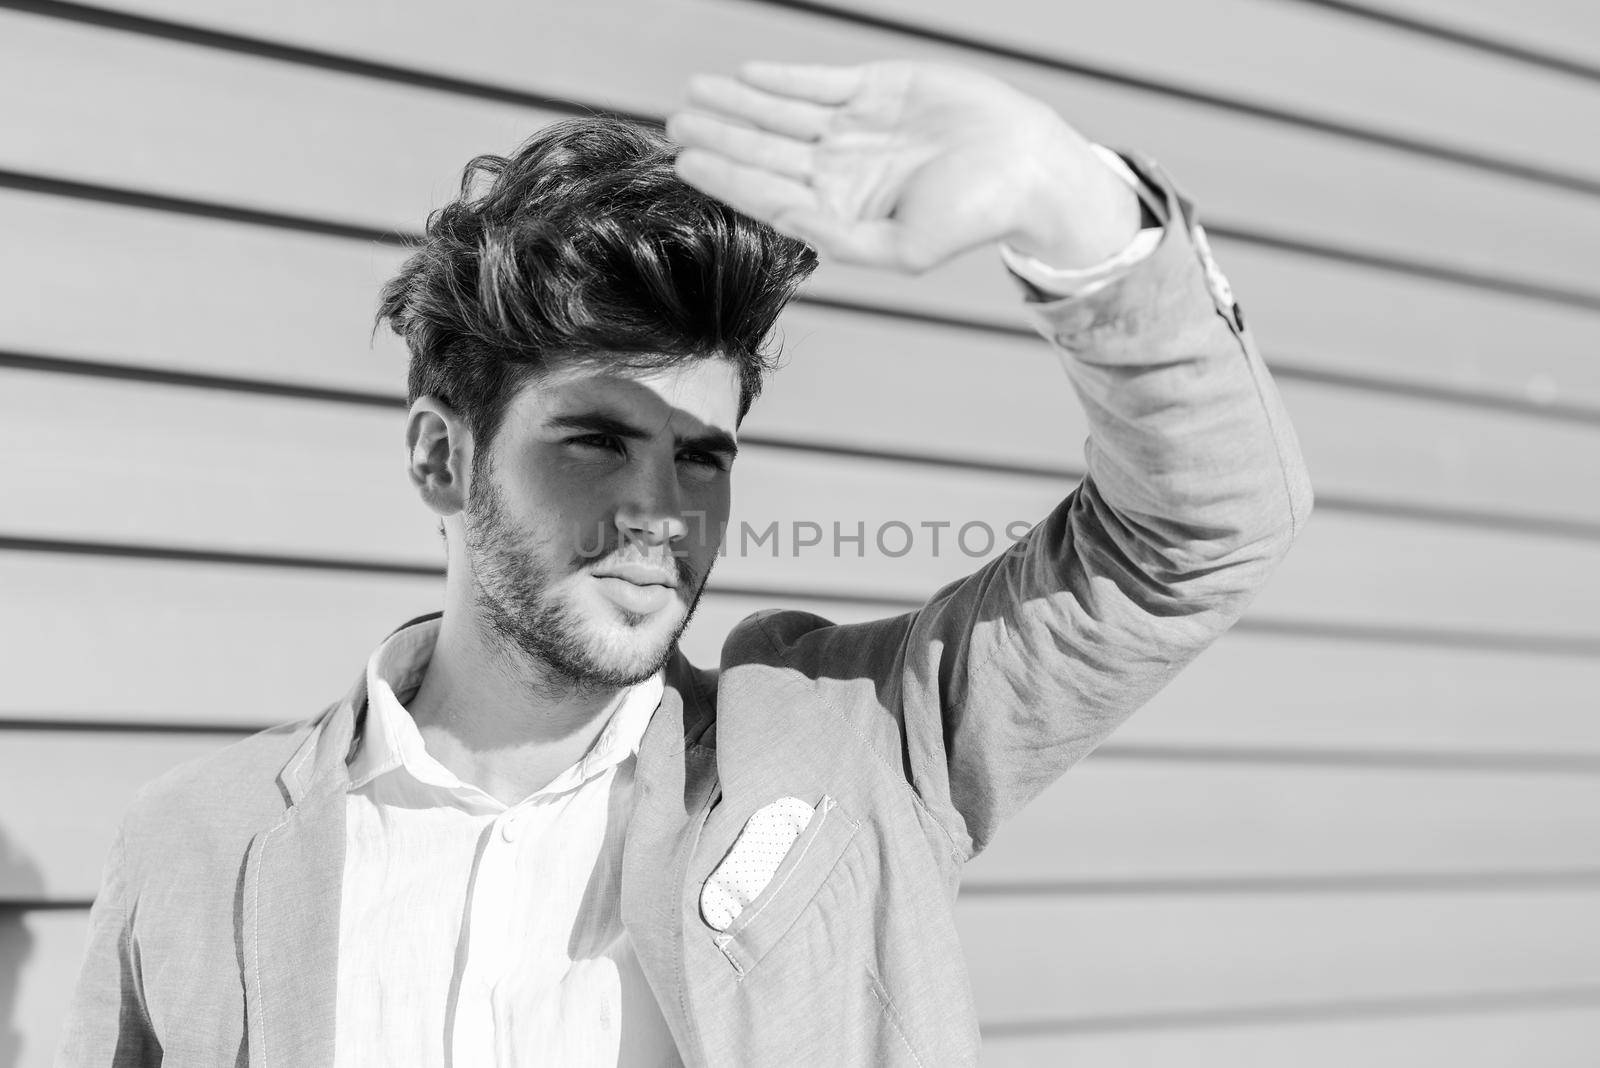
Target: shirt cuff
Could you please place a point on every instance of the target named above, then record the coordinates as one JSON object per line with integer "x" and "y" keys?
{"x": 1080, "y": 282}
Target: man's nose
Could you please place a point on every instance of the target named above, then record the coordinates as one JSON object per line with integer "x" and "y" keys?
{"x": 651, "y": 513}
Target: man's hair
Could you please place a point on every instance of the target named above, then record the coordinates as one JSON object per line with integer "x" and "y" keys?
{"x": 584, "y": 245}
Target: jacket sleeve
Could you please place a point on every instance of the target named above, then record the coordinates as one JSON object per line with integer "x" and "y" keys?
{"x": 107, "y": 1025}
{"x": 1195, "y": 488}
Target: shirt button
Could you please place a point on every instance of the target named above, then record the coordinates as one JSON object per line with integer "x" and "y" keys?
{"x": 509, "y": 828}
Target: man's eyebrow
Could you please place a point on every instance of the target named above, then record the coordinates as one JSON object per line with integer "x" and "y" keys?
{"x": 718, "y": 441}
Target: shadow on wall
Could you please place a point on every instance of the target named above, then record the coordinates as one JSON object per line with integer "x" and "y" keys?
{"x": 19, "y": 881}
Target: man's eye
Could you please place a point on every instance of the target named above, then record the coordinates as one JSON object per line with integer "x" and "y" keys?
{"x": 705, "y": 459}
{"x": 595, "y": 441}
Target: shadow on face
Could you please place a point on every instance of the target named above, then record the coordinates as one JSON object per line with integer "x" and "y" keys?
{"x": 595, "y": 520}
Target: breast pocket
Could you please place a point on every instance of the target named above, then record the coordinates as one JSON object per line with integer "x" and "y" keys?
{"x": 798, "y": 877}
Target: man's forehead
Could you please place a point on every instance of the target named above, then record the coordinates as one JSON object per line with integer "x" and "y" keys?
{"x": 705, "y": 389}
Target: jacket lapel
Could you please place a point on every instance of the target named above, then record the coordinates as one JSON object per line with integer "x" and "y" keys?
{"x": 673, "y": 785}
{"x": 290, "y": 903}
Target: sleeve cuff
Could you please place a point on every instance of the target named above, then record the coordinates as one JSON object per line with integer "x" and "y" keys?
{"x": 1080, "y": 282}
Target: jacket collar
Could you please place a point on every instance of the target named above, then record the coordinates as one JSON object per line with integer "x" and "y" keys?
{"x": 322, "y": 761}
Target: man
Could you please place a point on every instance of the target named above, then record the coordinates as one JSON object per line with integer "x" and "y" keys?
{"x": 532, "y": 833}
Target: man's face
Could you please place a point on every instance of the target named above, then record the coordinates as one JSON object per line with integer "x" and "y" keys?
{"x": 594, "y": 522}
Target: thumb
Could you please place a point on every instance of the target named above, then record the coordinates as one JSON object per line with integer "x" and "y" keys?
{"x": 868, "y": 242}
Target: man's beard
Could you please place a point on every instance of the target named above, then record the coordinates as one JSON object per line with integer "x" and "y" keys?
{"x": 512, "y": 591}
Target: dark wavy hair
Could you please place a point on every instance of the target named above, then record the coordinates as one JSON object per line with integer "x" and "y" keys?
{"x": 584, "y": 245}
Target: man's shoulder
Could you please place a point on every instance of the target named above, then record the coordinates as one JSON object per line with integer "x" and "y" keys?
{"x": 813, "y": 645}
{"x": 779, "y": 622}
{"x": 237, "y": 785}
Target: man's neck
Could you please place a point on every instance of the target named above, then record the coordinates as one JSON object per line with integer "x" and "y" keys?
{"x": 498, "y": 722}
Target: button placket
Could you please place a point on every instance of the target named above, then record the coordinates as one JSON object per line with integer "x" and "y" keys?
{"x": 516, "y": 822}
{"x": 487, "y": 922}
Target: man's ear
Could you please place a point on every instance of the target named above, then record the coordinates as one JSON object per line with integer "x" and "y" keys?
{"x": 438, "y": 455}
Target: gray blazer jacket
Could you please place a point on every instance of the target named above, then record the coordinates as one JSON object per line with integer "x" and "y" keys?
{"x": 214, "y": 938}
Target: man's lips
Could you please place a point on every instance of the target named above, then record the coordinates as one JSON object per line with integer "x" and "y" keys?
{"x": 636, "y": 588}
{"x": 640, "y": 575}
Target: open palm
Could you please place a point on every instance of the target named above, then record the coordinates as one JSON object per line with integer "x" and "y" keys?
{"x": 896, "y": 164}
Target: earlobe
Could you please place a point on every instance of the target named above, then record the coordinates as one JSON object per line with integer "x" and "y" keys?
{"x": 438, "y": 455}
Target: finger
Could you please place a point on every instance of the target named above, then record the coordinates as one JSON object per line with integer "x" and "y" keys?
{"x": 770, "y": 152}
{"x": 751, "y": 190}
{"x": 805, "y": 81}
{"x": 793, "y": 118}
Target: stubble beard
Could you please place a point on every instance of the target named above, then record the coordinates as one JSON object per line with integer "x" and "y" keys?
{"x": 520, "y": 615}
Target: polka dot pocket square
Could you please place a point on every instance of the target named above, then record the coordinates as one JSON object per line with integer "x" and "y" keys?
{"x": 753, "y": 860}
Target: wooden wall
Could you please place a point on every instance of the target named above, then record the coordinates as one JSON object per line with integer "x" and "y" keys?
{"x": 1363, "y": 829}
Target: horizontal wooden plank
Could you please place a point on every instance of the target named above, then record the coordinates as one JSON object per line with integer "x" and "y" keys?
{"x": 1470, "y": 1035}
{"x": 1299, "y": 58}
{"x": 381, "y": 153}
{"x": 209, "y": 463}
{"x": 1170, "y": 827}
{"x": 1190, "y": 822}
{"x": 1256, "y": 688}
{"x": 1346, "y": 569}
{"x": 157, "y": 290}
{"x": 1560, "y": 28}
{"x": 172, "y": 292}
{"x": 1065, "y": 961}
{"x": 158, "y": 465}
{"x": 40, "y": 954}
{"x": 94, "y": 639}
{"x": 316, "y": 144}
{"x": 1332, "y": 317}
{"x": 169, "y": 638}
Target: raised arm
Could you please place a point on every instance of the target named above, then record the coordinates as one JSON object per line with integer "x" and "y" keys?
{"x": 1195, "y": 485}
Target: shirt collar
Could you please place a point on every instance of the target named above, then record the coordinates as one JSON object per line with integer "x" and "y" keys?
{"x": 390, "y": 740}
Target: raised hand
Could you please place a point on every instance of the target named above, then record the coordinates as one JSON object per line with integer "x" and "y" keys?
{"x": 900, "y": 164}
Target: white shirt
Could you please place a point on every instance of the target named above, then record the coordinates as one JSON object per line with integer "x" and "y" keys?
{"x": 475, "y": 934}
